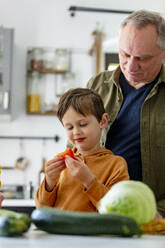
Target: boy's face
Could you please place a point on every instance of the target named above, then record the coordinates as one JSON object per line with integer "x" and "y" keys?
{"x": 83, "y": 131}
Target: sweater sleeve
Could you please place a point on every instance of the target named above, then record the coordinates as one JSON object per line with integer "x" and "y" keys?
{"x": 97, "y": 189}
{"x": 95, "y": 192}
{"x": 44, "y": 197}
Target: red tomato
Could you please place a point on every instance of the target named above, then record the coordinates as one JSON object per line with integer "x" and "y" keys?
{"x": 68, "y": 152}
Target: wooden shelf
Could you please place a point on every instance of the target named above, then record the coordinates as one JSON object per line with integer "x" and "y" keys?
{"x": 7, "y": 168}
{"x": 56, "y": 138}
{"x": 41, "y": 113}
{"x": 51, "y": 71}
{"x": 38, "y": 70}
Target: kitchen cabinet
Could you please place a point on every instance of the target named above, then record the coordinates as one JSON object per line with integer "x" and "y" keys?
{"x": 6, "y": 58}
{"x": 48, "y": 76}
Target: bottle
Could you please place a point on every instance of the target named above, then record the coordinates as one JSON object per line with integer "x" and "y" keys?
{"x": 29, "y": 191}
{"x": 36, "y": 62}
{"x": 19, "y": 192}
{"x": 48, "y": 58}
{"x": 61, "y": 60}
{"x": 69, "y": 80}
{"x": 33, "y": 97}
{"x": 65, "y": 82}
{"x": 42, "y": 171}
{"x": 1, "y": 90}
{"x": 1, "y": 51}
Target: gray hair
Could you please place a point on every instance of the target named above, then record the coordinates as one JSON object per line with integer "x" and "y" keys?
{"x": 142, "y": 18}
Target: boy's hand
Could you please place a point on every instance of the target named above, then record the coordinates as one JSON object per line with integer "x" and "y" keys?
{"x": 79, "y": 170}
{"x": 68, "y": 152}
{"x": 53, "y": 169}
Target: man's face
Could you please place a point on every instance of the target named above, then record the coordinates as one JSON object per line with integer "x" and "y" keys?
{"x": 139, "y": 55}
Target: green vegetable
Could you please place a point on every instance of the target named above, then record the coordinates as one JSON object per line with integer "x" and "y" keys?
{"x": 13, "y": 223}
{"x": 57, "y": 221}
{"x": 130, "y": 198}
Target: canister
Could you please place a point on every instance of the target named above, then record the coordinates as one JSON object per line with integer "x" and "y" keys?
{"x": 33, "y": 97}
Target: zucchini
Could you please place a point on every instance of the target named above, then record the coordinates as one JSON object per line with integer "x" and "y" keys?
{"x": 13, "y": 223}
{"x": 53, "y": 220}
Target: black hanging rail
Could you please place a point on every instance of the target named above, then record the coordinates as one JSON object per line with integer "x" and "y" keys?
{"x": 73, "y": 9}
{"x": 56, "y": 138}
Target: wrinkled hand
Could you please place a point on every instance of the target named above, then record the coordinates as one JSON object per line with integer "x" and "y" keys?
{"x": 53, "y": 169}
{"x": 1, "y": 199}
{"x": 80, "y": 171}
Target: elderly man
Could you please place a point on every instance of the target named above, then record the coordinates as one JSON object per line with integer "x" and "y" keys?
{"x": 134, "y": 97}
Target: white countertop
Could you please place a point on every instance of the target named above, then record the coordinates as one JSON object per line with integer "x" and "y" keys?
{"x": 40, "y": 239}
{"x": 18, "y": 203}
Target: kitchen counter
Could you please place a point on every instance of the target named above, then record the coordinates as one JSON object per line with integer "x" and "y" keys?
{"x": 18, "y": 202}
{"x": 40, "y": 239}
{"x": 19, "y": 205}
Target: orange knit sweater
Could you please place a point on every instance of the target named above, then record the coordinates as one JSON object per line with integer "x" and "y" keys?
{"x": 70, "y": 194}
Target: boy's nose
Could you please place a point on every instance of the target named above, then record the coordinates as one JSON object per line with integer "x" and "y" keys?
{"x": 76, "y": 130}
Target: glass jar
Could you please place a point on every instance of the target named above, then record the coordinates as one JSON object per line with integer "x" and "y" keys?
{"x": 36, "y": 60}
{"x": 1, "y": 43}
{"x": 61, "y": 60}
{"x": 66, "y": 82}
{"x": 48, "y": 57}
{"x": 1, "y": 51}
{"x": 1, "y": 90}
{"x": 69, "y": 80}
{"x": 33, "y": 97}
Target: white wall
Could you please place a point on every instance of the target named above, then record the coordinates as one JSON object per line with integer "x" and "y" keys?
{"x": 48, "y": 23}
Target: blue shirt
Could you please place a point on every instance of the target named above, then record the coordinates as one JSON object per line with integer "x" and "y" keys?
{"x": 124, "y": 135}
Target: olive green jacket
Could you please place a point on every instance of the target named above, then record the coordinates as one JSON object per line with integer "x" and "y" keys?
{"x": 152, "y": 127}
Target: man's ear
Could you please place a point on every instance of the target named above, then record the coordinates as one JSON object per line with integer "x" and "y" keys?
{"x": 104, "y": 120}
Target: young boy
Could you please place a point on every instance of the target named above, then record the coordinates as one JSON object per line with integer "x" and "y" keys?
{"x": 79, "y": 184}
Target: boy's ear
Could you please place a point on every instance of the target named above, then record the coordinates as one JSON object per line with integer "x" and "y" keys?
{"x": 104, "y": 120}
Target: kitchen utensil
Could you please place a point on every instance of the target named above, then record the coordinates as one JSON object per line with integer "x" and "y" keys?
{"x": 21, "y": 162}
{"x": 97, "y": 47}
{"x": 42, "y": 171}
{"x": 29, "y": 189}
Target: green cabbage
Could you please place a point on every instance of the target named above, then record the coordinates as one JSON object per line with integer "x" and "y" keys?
{"x": 130, "y": 198}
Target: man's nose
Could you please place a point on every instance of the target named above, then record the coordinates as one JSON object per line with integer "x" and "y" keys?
{"x": 133, "y": 64}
